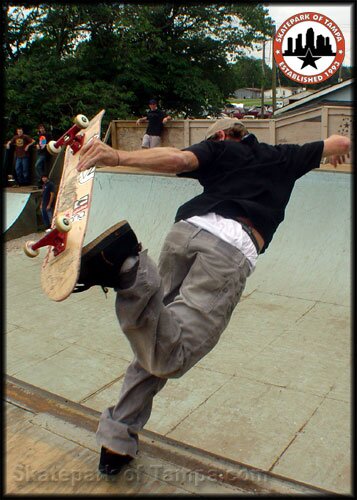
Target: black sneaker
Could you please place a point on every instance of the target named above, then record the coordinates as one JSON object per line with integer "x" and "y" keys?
{"x": 103, "y": 257}
{"x": 111, "y": 463}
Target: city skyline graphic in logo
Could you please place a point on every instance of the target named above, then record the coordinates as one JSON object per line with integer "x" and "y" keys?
{"x": 309, "y": 48}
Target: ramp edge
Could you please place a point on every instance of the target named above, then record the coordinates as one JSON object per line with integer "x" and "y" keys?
{"x": 226, "y": 471}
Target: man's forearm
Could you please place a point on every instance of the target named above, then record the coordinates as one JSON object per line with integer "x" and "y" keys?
{"x": 161, "y": 159}
{"x": 164, "y": 160}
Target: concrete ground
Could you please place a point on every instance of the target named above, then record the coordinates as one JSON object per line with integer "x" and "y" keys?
{"x": 273, "y": 395}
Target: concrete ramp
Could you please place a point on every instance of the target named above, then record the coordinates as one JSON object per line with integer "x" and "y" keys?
{"x": 20, "y": 214}
{"x": 309, "y": 257}
{"x": 278, "y": 380}
{"x": 14, "y": 205}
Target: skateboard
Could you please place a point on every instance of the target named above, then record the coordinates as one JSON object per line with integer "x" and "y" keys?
{"x": 61, "y": 264}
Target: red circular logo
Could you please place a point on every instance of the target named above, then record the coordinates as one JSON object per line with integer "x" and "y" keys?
{"x": 309, "y": 48}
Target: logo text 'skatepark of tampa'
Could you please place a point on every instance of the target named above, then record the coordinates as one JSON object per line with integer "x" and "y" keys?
{"x": 309, "y": 48}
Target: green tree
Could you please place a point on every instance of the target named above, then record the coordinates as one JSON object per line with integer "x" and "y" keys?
{"x": 64, "y": 59}
{"x": 248, "y": 73}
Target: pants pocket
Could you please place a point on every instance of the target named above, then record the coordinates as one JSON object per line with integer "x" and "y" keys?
{"x": 206, "y": 289}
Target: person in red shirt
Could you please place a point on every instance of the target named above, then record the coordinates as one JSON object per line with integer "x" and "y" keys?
{"x": 22, "y": 142}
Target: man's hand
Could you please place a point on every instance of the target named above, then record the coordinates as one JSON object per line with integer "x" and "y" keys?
{"x": 336, "y": 148}
{"x": 337, "y": 159}
{"x": 96, "y": 153}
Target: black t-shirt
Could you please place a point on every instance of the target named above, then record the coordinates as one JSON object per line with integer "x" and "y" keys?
{"x": 155, "y": 118}
{"x": 248, "y": 179}
{"x": 47, "y": 189}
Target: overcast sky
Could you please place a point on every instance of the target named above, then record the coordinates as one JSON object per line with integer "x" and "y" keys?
{"x": 339, "y": 12}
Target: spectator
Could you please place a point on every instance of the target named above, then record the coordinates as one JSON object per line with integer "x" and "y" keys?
{"x": 156, "y": 119}
{"x": 22, "y": 143}
{"x": 42, "y": 154}
{"x": 47, "y": 201}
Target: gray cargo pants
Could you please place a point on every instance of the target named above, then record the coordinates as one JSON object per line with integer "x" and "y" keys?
{"x": 172, "y": 316}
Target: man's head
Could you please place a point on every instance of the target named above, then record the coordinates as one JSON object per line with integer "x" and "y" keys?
{"x": 44, "y": 178}
{"x": 153, "y": 104}
{"x": 41, "y": 128}
{"x": 19, "y": 131}
{"x": 226, "y": 128}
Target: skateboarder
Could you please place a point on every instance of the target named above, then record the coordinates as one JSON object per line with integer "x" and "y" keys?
{"x": 174, "y": 314}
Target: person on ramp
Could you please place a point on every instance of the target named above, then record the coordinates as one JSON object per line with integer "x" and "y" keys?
{"x": 174, "y": 313}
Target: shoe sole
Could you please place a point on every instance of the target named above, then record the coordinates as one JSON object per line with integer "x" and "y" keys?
{"x": 115, "y": 232}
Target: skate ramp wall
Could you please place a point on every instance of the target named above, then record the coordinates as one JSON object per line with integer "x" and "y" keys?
{"x": 20, "y": 216}
{"x": 309, "y": 257}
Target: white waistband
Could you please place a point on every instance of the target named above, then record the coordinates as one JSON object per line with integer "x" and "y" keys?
{"x": 228, "y": 230}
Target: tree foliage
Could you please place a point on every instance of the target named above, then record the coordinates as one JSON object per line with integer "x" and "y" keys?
{"x": 249, "y": 73}
{"x": 64, "y": 59}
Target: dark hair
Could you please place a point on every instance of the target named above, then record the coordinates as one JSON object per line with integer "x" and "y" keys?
{"x": 238, "y": 131}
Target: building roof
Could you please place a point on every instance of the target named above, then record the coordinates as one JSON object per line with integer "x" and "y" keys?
{"x": 249, "y": 88}
{"x": 318, "y": 94}
{"x": 301, "y": 95}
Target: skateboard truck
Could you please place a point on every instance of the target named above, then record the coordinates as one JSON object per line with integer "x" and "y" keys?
{"x": 57, "y": 238}
{"x": 71, "y": 137}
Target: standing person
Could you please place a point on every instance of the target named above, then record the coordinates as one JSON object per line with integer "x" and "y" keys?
{"x": 22, "y": 143}
{"x": 156, "y": 119}
{"x": 47, "y": 201}
{"x": 173, "y": 314}
{"x": 42, "y": 154}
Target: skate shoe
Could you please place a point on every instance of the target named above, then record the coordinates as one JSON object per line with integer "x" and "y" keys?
{"x": 103, "y": 257}
{"x": 111, "y": 463}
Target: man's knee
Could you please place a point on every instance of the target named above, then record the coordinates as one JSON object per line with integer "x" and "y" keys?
{"x": 169, "y": 369}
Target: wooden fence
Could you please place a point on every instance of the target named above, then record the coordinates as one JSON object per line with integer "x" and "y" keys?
{"x": 297, "y": 128}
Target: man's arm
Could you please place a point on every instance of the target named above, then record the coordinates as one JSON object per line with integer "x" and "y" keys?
{"x": 10, "y": 142}
{"x": 161, "y": 159}
{"x": 336, "y": 147}
{"x": 30, "y": 141}
{"x": 141, "y": 120}
{"x": 52, "y": 195}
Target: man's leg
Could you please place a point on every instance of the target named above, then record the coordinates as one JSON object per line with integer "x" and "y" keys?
{"x": 145, "y": 142}
{"x": 168, "y": 340}
{"x": 50, "y": 214}
{"x": 45, "y": 217}
{"x": 19, "y": 172}
{"x": 26, "y": 170}
{"x": 39, "y": 169}
{"x": 171, "y": 322}
{"x": 119, "y": 425}
{"x": 155, "y": 141}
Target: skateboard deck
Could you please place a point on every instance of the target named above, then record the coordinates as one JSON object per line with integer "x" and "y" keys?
{"x": 61, "y": 264}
